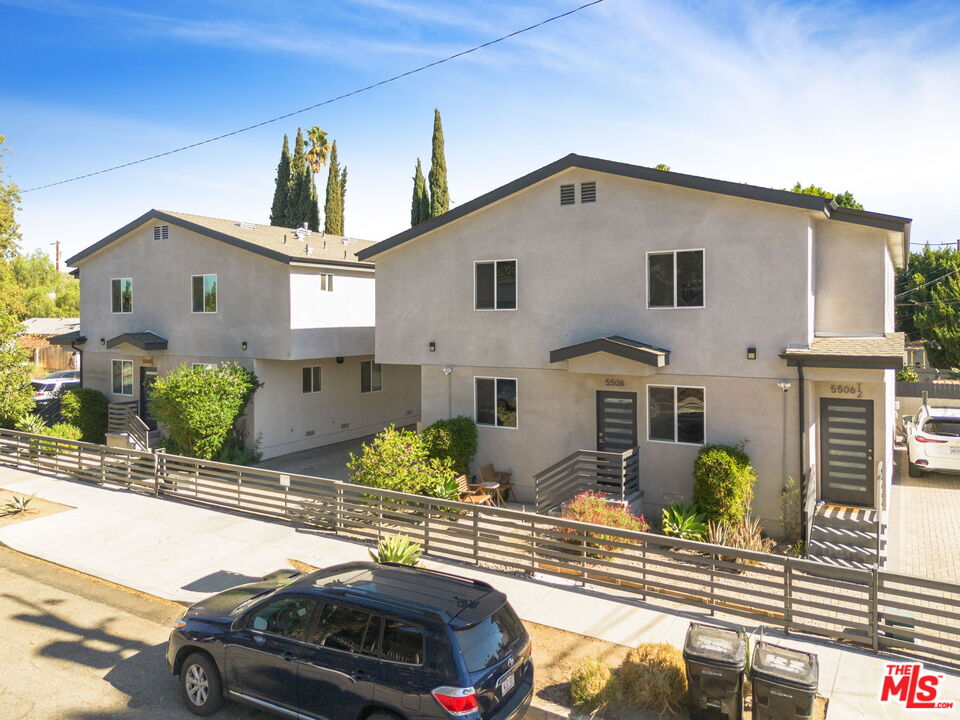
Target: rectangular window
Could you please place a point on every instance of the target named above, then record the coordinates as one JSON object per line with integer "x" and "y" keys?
{"x": 348, "y": 630}
{"x": 495, "y": 285}
{"x": 204, "y": 293}
{"x": 122, "y": 377}
{"x": 675, "y": 279}
{"x": 402, "y": 642}
{"x": 675, "y": 414}
{"x": 326, "y": 282}
{"x": 311, "y": 379}
{"x": 371, "y": 376}
{"x": 121, "y": 295}
{"x": 496, "y": 402}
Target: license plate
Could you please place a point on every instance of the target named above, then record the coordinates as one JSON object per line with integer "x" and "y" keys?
{"x": 506, "y": 683}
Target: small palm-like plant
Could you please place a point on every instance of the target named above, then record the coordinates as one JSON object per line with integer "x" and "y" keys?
{"x": 31, "y": 424}
{"x": 397, "y": 549}
{"x": 684, "y": 522}
{"x": 18, "y": 504}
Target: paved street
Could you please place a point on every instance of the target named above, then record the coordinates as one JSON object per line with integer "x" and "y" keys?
{"x": 76, "y": 648}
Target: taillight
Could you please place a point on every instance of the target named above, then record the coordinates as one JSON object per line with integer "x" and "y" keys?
{"x": 922, "y": 439}
{"x": 457, "y": 701}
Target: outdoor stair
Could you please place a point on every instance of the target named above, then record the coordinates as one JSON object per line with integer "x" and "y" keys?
{"x": 847, "y": 537}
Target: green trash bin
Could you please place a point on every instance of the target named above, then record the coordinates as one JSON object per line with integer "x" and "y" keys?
{"x": 715, "y": 658}
{"x": 784, "y": 683}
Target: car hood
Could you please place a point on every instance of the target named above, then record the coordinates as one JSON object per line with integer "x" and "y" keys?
{"x": 224, "y": 603}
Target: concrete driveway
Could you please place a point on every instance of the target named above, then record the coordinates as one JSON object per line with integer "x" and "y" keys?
{"x": 328, "y": 462}
{"x": 924, "y": 533}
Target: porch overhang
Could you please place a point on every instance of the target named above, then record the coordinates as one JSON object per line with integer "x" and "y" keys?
{"x": 69, "y": 338}
{"x": 141, "y": 340}
{"x": 883, "y": 352}
{"x": 615, "y": 345}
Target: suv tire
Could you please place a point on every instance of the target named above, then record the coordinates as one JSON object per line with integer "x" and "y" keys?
{"x": 200, "y": 685}
{"x": 912, "y": 470}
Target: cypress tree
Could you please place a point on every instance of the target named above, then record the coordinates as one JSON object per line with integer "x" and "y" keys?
{"x": 420, "y": 205}
{"x": 343, "y": 201}
{"x": 333, "y": 207}
{"x": 281, "y": 197}
{"x": 439, "y": 193}
{"x": 302, "y": 189}
{"x": 313, "y": 221}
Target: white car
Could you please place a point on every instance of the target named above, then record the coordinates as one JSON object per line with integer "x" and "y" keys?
{"x": 54, "y": 384}
{"x": 933, "y": 440}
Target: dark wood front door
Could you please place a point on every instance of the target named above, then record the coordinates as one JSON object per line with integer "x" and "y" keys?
{"x": 148, "y": 376}
{"x": 846, "y": 451}
{"x": 616, "y": 421}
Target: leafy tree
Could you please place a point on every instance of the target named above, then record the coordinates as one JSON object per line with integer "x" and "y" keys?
{"x": 199, "y": 406}
{"x": 16, "y": 393}
{"x": 844, "y": 199}
{"x": 302, "y": 188}
{"x": 938, "y": 323}
{"x": 912, "y": 289}
{"x": 333, "y": 207}
{"x": 281, "y": 193}
{"x": 439, "y": 192}
{"x": 47, "y": 292}
{"x": 9, "y": 204}
{"x": 663, "y": 166}
{"x": 420, "y": 205}
{"x": 319, "y": 148}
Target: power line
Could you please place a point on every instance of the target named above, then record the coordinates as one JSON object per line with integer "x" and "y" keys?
{"x": 324, "y": 102}
{"x": 931, "y": 282}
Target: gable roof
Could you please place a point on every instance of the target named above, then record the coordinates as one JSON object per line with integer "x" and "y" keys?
{"x": 693, "y": 182}
{"x": 143, "y": 340}
{"x": 615, "y": 345}
{"x": 276, "y": 243}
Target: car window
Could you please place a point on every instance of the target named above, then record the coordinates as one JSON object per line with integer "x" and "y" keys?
{"x": 43, "y": 387}
{"x": 348, "y": 629}
{"x": 942, "y": 426}
{"x": 402, "y": 642}
{"x": 489, "y": 641}
{"x": 286, "y": 616}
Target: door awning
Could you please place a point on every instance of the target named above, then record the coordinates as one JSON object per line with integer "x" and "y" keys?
{"x": 67, "y": 338}
{"x": 142, "y": 340}
{"x": 615, "y": 345}
{"x": 881, "y": 352}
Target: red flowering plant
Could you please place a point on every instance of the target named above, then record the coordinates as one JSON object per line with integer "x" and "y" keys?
{"x": 595, "y": 508}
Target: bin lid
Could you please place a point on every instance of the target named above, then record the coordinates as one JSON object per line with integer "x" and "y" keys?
{"x": 785, "y": 666}
{"x": 715, "y": 645}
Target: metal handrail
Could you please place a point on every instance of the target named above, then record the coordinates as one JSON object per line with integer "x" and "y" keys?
{"x": 612, "y": 473}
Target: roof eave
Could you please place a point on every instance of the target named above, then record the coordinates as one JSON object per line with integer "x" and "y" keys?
{"x": 860, "y": 362}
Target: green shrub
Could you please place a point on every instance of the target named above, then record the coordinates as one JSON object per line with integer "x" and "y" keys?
{"x": 723, "y": 481}
{"x": 18, "y": 504}
{"x": 397, "y": 549}
{"x": 594, "y": 508}
{"x": 653, "y": 676}
{"x": 684, "y": 522}
{"x": 236, "y": 453}
{"x": 590, "y": 684}
{"x": 198, "y": 406}
{"x": 790, "y": 511}
{"x": 455, "y": 439}
{"x": 65, "y": 431}
{"x": 744, "y": 535}
{"x": 87, "y": 409}
{"x": 908, "y": 374}
{"x": 398, "y": 460}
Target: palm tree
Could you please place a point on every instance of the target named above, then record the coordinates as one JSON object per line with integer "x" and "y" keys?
{"x": 319, "y": 148}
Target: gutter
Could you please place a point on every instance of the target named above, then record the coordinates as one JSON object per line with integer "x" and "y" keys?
{"x": 803, "y": 473}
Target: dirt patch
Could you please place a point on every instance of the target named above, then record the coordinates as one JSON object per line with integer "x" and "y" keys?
{"x": 37, "y": 508}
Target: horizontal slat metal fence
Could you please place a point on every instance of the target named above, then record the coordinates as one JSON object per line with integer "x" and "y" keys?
{"x": 872, "y": 607}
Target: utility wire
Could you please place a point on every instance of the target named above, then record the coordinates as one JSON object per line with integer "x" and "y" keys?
{"x": 322, "y": 103}
{"x": 921, "y": 287}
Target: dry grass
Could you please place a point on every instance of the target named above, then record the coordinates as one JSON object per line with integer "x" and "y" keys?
{"x": 653, "y": 677}
{"x": 590, "y": 684}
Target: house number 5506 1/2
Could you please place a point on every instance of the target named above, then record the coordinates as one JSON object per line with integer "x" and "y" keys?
{"x": 613, "y": 382}
{"x": 852, "y": 389}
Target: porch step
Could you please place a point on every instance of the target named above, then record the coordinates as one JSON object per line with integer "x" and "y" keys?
{"x": 842, "y": 551}
{"x": 838, "y": 516}
{"x": 847, "y": 536}
{"x": 840, "y": 562}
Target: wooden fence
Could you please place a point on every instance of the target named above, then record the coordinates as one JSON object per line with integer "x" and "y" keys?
{"x": 875, "y": 608}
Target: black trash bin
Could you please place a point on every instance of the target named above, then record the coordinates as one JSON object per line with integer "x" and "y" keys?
{"x": 715, "y": 659}
{"x": 784, "y": 683}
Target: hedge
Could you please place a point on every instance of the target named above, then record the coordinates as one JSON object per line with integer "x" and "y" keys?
{"x": 723, "y": 480}
{"x": 86, "y": 408}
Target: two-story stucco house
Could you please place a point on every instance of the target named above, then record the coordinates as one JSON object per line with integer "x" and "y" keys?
{"x": 295, "y": 307}
{"x": 600, "y": 306}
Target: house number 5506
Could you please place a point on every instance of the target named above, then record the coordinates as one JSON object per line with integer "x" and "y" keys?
{"x": 614, "y": 382}
{"x": 852, "y": 389}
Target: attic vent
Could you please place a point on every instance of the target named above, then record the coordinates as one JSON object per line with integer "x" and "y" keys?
{"x": 588, "y": 192}
{"x": 302, "y": 232}
{"x": 246, "y": 226}
{"x": 568, "y": 194}
{"x": 161, "y": 232}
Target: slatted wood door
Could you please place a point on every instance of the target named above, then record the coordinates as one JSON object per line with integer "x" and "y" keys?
{"x": 616, "y": 421}
{"x": 846, "y": 452}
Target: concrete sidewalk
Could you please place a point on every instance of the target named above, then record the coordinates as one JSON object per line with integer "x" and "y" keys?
{"x": 183, "y": 552}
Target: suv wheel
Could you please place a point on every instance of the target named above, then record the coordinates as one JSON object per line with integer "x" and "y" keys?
{"x": 912, "y": 470}
{"x": 200, "y": 685}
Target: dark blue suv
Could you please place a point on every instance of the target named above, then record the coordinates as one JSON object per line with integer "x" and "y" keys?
{"x": 360, "y": 641}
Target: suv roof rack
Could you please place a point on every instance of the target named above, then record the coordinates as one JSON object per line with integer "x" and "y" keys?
{"x": 477, "y": 583}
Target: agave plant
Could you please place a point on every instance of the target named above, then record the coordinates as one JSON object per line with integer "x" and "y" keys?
{"x": 18, "y": 504}
{"x": 31, "y": 423}
{"x": 684, "y": 522}
{"x": 746, "y": 535}
{"x": 397, "y": 549}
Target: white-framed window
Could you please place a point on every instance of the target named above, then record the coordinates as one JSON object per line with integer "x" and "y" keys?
{"x": 676, "y": 414}
{"x": 121, "y": 295}
{"x": 495, "y": 285}
{"x": 204, "y": 291}
{"x": 205, "y": 366}
{"x": 326, "y": 282}
{"x": 371, "y": 376}
{"x": 312, "y": 377}
{"x": 495, "y": 401}
{"x": 122, "y": 371}
{"x": 675, "y": 279}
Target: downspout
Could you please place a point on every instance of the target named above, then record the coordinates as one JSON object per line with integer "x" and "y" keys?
{"x": 803, "y": 472}
{"x": 73, "y": 344}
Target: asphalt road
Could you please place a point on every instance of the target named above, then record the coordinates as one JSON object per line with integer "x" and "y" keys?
{"x": 75, "y": 648}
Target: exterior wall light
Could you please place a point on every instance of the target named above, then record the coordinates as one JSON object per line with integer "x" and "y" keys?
{"x": 751, "y": 353}
{"x": 243, "y": 344}
{"x": 447, "y": 370}
{"x": 432, "y": 345}
{"x": 783, "y": 385}
{"x": 340, "y": 360}
{"x": 103, "y": 341}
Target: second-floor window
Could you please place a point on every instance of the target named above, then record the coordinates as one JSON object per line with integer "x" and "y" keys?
{"x": 496, "y": 401}
{"x": 326, "y": 282}
{"x": 675, "y": 414}
{"x": 121, "y": 295}
{"x": 371, "y": 376}
{"x": 204, "y": 293}
{"x": 122, "y": 377}
{"x": 675, "y": 279}
{"x": 495, "y": 285}
{"x": 311, "y": 379}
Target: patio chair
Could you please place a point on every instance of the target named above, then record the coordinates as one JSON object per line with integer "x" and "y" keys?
{"x": 470, "y": 493}
{"x": 488, "y": 474}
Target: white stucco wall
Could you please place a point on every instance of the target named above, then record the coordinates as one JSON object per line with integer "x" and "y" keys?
{"x": 349, "y": 304}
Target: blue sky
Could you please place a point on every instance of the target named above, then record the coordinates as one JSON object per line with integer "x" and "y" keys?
{"x": 862, "y": 96}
